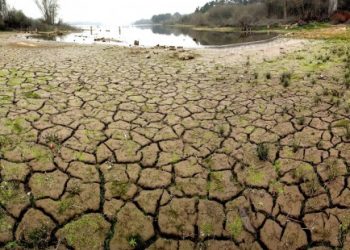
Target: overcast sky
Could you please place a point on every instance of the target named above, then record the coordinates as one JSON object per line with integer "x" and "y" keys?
{"x": 110, "y": 11}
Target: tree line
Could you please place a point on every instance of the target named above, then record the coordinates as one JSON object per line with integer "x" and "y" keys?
{"x": 11, "y": 18}
{"x": 256, "y": 12}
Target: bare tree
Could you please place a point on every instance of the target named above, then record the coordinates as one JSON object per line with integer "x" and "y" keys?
{"x": 285, "y": 9}
{"x": 3, "y": 8}
{"x": 333, "y": 6}
{"x": 49, "y": 10}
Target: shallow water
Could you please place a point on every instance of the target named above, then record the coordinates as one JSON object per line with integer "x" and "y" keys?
{"x": 157, "y": 35}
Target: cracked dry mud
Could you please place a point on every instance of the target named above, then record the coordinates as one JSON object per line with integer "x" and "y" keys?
{"x": 121, "y": 148}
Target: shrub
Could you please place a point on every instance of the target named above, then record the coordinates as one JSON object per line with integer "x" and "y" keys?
{"x": 285, "y": 79}
{"x": 263, "y": 152}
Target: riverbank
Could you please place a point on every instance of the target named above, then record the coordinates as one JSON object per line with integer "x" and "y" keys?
{"x": 107, "y": 147}
{"x": 309, "y": 31}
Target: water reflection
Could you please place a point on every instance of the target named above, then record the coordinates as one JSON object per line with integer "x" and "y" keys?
{"x": 158, "y": 35}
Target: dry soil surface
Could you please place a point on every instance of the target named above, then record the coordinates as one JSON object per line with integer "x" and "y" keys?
{"x": 105, "y": 147}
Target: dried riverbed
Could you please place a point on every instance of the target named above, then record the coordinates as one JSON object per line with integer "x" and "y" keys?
{"x": 104, "y": 147}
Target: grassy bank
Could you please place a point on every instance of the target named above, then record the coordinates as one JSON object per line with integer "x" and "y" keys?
{"x": 313, "y": 30}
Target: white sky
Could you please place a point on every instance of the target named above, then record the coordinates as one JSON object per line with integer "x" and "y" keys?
{"x": 110, "y": 11}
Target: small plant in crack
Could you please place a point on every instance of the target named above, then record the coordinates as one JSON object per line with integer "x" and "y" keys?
{"x": 135, "y": 241}
{"x": 301, "y": 120}
{"x": 263, "y": 152}
{"x": 221, "y": 130}
{"x": 345, "y": 224}
{"x": 345, "y": 124}
{"x": 286, "y": 78}
{"x": 317, "y": 100}
{"x": 295, "y": 146}
{"x": 53, "y": 141}
{"x": 268, "y": 75}
{"x": 277, "y": 166}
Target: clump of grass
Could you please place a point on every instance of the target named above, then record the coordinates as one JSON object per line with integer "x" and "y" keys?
{"x": 325, "y": 92}
{"x": 346, "y": 125}
{"x": 301, "y": 120}
{"x": 347, "y": 83}
{"x": 135, "y": 241}
{"x": 9, "y": 192}
{"x": 215, "y": 182}
{"x": 317, "y": 99}
{"x": 84, "y": 232}
{"x": 236, "y": 227}
{"x": 53, "y": 140}
{"x": 207, "y": 229}
{"x": 255, "y": 177}
{"x": 31, "y": 95}
{"x": 65, "y": 205}
{"x": 39, "y": 237}
{"x": 119, "y": 188}
{"x": 285, "y": 79}
{"x": 295, "y": 146}
{"x": 263, "y": 152}
{"x": 345, "y": 225}
{"x": 16, "y": 125}
{"x": 12, "y": 245}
